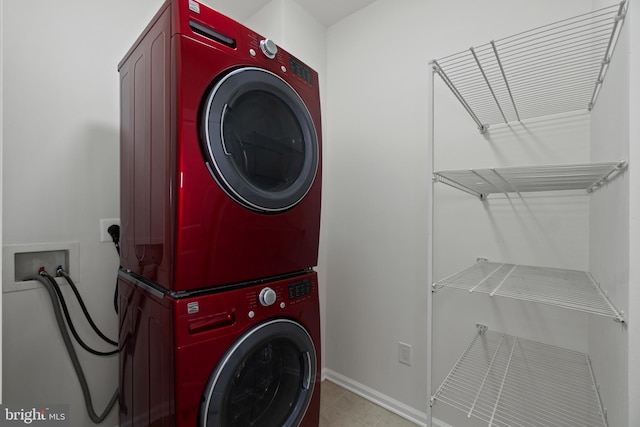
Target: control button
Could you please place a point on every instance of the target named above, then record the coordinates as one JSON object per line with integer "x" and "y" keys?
{"x": 269, "y": 48}
{"x": 252, "y": 52}
{"x": 283, "y": 68}
{"x": 251, "y": 314}
{"x": 267, "y": 297}
{"x": 282, "y": 304}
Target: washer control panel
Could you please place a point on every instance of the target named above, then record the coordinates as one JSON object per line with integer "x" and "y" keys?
{"x": 283, "y": 295}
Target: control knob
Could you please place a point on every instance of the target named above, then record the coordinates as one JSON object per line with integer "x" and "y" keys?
{"x": 269, "y": 48}
{"x": 267, "y": 297}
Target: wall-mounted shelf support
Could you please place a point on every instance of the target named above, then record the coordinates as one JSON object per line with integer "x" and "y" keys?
{"x": 438, "y": 70}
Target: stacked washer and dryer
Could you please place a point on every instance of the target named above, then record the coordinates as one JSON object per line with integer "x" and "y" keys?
{"x": 220, "y": 217}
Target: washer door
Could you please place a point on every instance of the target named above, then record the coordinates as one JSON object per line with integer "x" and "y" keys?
{"x": 259, "y": 139}
{"x": 265, "y": 379}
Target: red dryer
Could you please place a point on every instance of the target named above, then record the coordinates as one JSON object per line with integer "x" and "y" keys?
{"x": 220, "y": 153}
{"x": 248, "y": 356}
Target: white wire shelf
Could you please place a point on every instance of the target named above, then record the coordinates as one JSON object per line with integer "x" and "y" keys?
{"x": 570, "y": 289}
{"x": 509, "y": 381}
{"x": 482, "y": 182}
{"x": 556, "y": 68}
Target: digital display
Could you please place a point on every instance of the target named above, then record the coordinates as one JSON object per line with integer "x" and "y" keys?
{"x": 299, "y": 288}
{"x": 300, "y": 69}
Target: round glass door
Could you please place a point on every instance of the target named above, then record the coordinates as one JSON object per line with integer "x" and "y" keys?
{"x": 265, "y": 379}
{"x": 260, "y": 141}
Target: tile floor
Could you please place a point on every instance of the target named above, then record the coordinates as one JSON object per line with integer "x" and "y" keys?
{"x": 341, "y": 408}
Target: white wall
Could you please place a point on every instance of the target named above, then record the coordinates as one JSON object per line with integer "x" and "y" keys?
{"x": 60, "y": 161}
{"x": 609, "y": 234}
{"x": 377, "y": 128}
{"x": 633, "y": 361}
{"x": 1, "y": 173}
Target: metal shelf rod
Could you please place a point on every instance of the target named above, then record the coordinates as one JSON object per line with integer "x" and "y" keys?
{"x": 576, "y": 46}
{"x": 488, "y": 84}
{"x": 453, "y": 89}
{"x": 577, "y": 18}
{"x": 506, "y": 81}
{"x": 542, "y": 45}
{"x": 486, "y": 278}
{"x": 504, "y": 378}
{"x": 552, "y": 66}
{"x": 484, "y": 380}
{"x": 566, "y": 36}
{"x": 503, "y": 280}
{"x": 462, "y": 356}
{"x": 609, "y": 53}
{"x": 458, "y": 186}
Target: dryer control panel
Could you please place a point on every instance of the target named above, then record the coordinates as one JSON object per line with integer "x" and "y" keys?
{"x": 299, "y": 288}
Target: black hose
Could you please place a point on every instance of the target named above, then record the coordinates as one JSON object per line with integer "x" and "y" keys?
{"x": 62, "y": 302}
{"x": 60, "y": 271}
{"x": 97, "y": 419}
{"x": 114, "y": 232}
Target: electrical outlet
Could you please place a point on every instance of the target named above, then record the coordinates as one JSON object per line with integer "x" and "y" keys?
{"x": 104, "y": 226}
{"x": 404, "y": 353}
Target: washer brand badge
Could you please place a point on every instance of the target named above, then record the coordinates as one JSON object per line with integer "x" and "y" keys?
{"x": 34, "y": 415}
{"x": 194, "y": 6}
{"x": 193, "y": 307}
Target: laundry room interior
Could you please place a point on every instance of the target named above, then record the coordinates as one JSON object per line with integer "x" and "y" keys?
{"x": 393, "y": 229}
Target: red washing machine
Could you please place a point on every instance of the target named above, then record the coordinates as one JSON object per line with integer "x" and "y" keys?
{"x": 220, "y": 153}
{"x": 248, "y": 356}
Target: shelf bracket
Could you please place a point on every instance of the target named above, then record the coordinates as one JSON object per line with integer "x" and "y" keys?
{"x": 438, "y": 69}
{"x": 484, "y": 380}
{"x": 619, "y": 315}
{"x": 481, "y": 328}
{"x": 506, "y": 82}
{"x": 621, "y": 166}
{"x": 613, "y": 41}
{"x": 486, "y": 278}
{"x": 504, "y": 378}
{"x": 486, "y": 79}
{"x": 451, "y": 183}
{"x": 603, "y": 411}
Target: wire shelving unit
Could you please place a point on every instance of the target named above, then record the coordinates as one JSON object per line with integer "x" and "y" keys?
{"x": 509, "y": 381}
{"x": 553, "y": 69}
{"x": 570, "y": 289}
{"x": 556, "y": 68}
{"x": 482, "y": 182}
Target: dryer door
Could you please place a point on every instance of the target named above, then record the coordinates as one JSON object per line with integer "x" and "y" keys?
{"x": 265, "y": 379}
{"x": 259, "y": 139}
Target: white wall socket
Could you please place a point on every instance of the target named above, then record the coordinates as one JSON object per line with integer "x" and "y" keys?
{"x": 404, "y": 353}
{"x": 105, "y": 223}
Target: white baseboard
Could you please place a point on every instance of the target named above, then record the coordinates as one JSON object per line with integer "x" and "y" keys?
{"x": 437, "y": 423}
{"x": 382, "y": 400}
